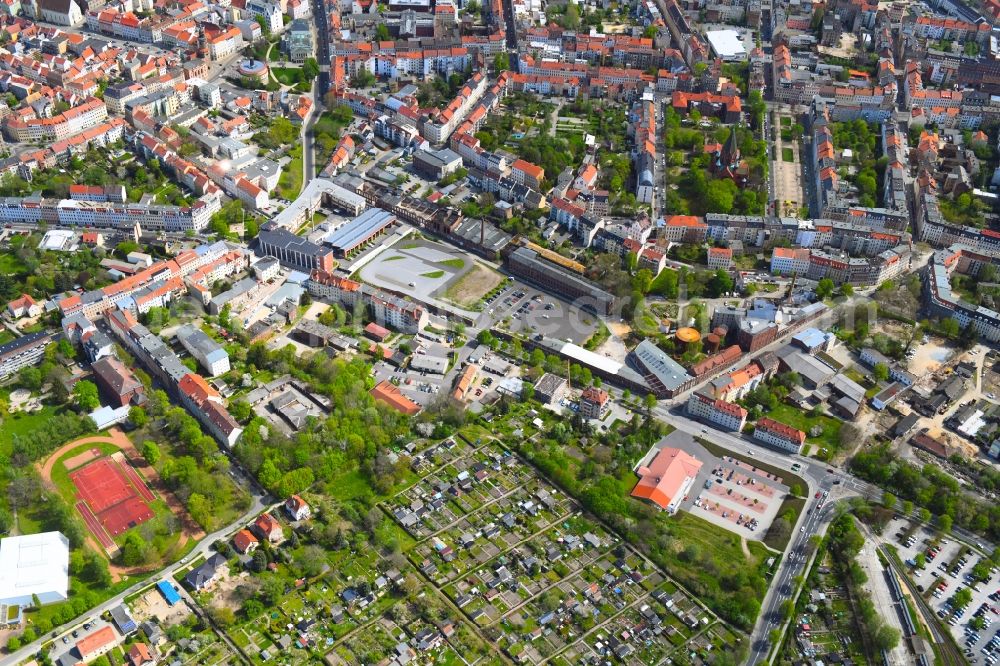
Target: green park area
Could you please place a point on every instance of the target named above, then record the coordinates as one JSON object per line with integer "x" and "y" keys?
{"x": 290, "y": 181}
{"x": 829, "y": 437}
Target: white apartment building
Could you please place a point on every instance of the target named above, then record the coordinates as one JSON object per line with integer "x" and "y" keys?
{"x": 788, "y": 261}
{"x": 22, "y": 352}
{"x": 779, "y": 435}
{"x": 66, "y": 124}
{"x": 400, "y": 314}
{"x": 269, "y": 11}
{"x": 726, "y": 415}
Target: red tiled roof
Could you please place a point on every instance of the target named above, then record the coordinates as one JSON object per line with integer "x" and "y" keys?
{"x": 390, "y": 395}
{"x": 95, "y": 641}
{"x": 663, "y": 479}
{"x": 781, "y": 430}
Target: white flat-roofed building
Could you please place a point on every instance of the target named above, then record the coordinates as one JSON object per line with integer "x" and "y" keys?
{"x": 727, "y": 44}
{"x": 428, "y": 363}
{"x": 35, "y": 565}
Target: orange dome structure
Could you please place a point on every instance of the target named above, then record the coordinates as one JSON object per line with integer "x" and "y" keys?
{"x": 687, "y": 335}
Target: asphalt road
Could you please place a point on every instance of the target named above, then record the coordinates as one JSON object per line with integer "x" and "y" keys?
{"x": 818, "y": 476}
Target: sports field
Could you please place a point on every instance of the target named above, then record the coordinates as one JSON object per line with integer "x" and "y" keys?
{"x": 112, "y": 497}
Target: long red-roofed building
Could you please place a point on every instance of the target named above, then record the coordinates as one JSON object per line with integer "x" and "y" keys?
{"x": 779, "y": 434}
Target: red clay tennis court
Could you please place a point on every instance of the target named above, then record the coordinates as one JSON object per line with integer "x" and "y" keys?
{"x": 103, "y": 486}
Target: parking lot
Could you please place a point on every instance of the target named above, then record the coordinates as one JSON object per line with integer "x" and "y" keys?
{"x": 959, "y": 584}
{"x": 532, "y": 311}
{"x": 419, "y": 386}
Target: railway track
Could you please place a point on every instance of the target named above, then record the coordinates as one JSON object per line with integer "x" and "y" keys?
{"x": 948, "y": 651}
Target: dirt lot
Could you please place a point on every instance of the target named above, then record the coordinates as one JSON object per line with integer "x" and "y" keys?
{"x": 315, "y": 310}
{"x": 152, "y": 604}
{"x": 930, "y": 357}
{"x": 224, "y": 591}
{"x": 81, "y": 459}
{"x": 472, "y": 286}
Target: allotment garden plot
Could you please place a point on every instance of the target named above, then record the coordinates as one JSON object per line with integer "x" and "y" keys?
{"x": 524, "y": 562}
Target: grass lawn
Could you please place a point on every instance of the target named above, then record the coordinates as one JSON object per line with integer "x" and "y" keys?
{"x": 167, "y": 193}
{"x": 855, "y": 374}
{"x": 787, "y": 155}
{"x": 659, "y": 285}
{"x": 10, "y": 264}
{"x": 6, "y": 336}
{"x": 350, "y": 486}
{"x": 290, "y": 183}
{"x": 786, "y": 121}
{"x": 289, "y": 76}
{"x": 829, "y": 438}
{"x": 21, "y": 424}
{"x": 453, "y": 263}
{"x": 718, "y": 546}
{"x": 433, "y": 274}
{"x": 599, "y": 337}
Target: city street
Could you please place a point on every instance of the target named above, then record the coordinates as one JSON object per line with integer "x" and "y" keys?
{"x": 820, "y": 478}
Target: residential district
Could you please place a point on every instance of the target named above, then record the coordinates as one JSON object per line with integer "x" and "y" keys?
{"x": 499, "y": 332}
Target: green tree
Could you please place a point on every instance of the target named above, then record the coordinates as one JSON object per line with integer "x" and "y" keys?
{"x": 135, "y": 550}
{"x": 151, "y": 452}
{"x": 880, "y": 372}
{"x": 720, "y": 283}
{"x": 310, "y": 68}
{"x": 824, "y": 289}
{"x": 137, "y": 416}
{"x": 846, "y": 290}
{"x": 944, "y": 522}
{"x": 85, "y": 395}
{"x": 886, "y": 638}
{"x": 719, "y": 196}
{"x": 950, "y": 327}
{"x": 240, "y": 410}
{"x": 30, "y": 378}
{"x": 252, "y": 608}
{"x": 382, "y": 32}
{"x": 222, "y": 616}
{"x": 265, "y": 27}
